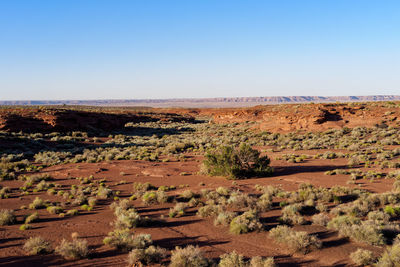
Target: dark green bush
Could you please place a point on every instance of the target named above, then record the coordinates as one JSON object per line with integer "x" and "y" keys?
{"x": 236, "y": 163}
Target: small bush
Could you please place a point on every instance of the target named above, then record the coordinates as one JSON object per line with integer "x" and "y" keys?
{"x": 37, "y": 203}
{"x": 189, "y": 256}
{"x": 391, "y": 257}
{"x": 187, "y": 195}
{"x": 178, "y": 210}
{"x": 240, "y": 200}
{"x": 362, "y": 257}
{"x": 121, "y": 239}
{"x": 140, "y": 188}
{"x": 352, "y": 227}
{"x": 320, "y": 219}
{"x": 92, "y": 201}
{"x": 104, "y": 193}
{"x": 236, "y": 163}
{"x": 126, "y": 218}
{"x": 209, "y": 210}
{"x": 154, "y": 197}
{"x": 297, "y": 241}
{"x": 262, "y": 262}
{"x": 124, "y": 240}
{"x": 146, "y": 256}
{"x": 354, "y": 161}
{"x": 291, "y": 214}
{"x": 24, "y": 227}
{"x": 32, "y": 218}
{"x": 223, "y": 191}
{"x": 378, "y": 217}
{"x": 75, "y": 249}
{"x": 225, "y": 218}
{"x": 54, "y": 209}
{"x": 72, "y": 212}
{"x": 264, "y": 203}
{"x": 392, "y": 211}
{"x": 7, "y": 217}
{"x": 339, "y": 222}
{"x": 37, "y": 245}
{"x": 368, "y": 233}
{"x": 247, "y": 222}
{"x": 232, "y": 259}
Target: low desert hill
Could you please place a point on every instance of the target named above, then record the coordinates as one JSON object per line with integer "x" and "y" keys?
{"x": 272, "y": 118}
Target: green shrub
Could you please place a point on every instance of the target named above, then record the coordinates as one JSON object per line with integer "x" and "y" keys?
{"x": 187, "y": 195}
{"x": 362, "y": 257}
{"x": 178, "y": 210}
{"x": 86, "y": 207}
{"x": 37, "y": 245}
{"x": 54, "y": 209}
{"x": 264, "y": 202}
{"x": 7, "y": 217}
{"x": 247, "y": 222}
{"x": 232, "y": 259}
{"x": 141, "y": 188}
{"x": 339, "y": 222}
{"x": 142, "y": 241}
{"x": 223, "y": 191}
{"x": 147, "y": 256}
{"x": 297, "y": 241}
{"x": 391, "y": 257}
{"x": 189, "y": 256}
{"x": 224, "y": 218}
{"x": 37, "y": 203}
{"x": 154, "y": 197}
{"x": 104, "y": 193}
{"x": 72, "y": 212}
{"x": 366, "y": 233}
{"x": 240, "y": 200}
{"x": 209, "y": 210}
{"x": 378, "y": 217}
{"x": 320, "y": 219}
{"x": 25, "y": 226}
{"x": 4, "y": 192}
{"x": 92, "y": 201}
{"x": 122, "y": 239}
{"x": 32, "y": 218}
{"x": 262, "y": 262}
{"x": 392, "y": 211}
{"x": 75, "y": 249}
{"x": 354, "y": 228}
{"x": 236, "y": 163}
{"x": 291, "y": 214}
{"x": 127, "y": 217}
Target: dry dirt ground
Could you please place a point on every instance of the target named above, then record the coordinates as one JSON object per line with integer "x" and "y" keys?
{"x": 189, "y": 229}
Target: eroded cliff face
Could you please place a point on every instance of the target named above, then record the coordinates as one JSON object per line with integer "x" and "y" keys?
{"x": 310, "y": 117}
{"x": 63, "y": 120}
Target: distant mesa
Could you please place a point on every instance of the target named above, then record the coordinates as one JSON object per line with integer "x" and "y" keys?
{"x": 208, "y": 102}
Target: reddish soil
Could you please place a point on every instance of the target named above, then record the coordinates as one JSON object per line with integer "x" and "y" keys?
{"x": 189, "y": 229}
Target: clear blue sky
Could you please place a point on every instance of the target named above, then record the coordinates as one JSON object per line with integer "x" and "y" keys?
{"x": 115, "y": 49}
